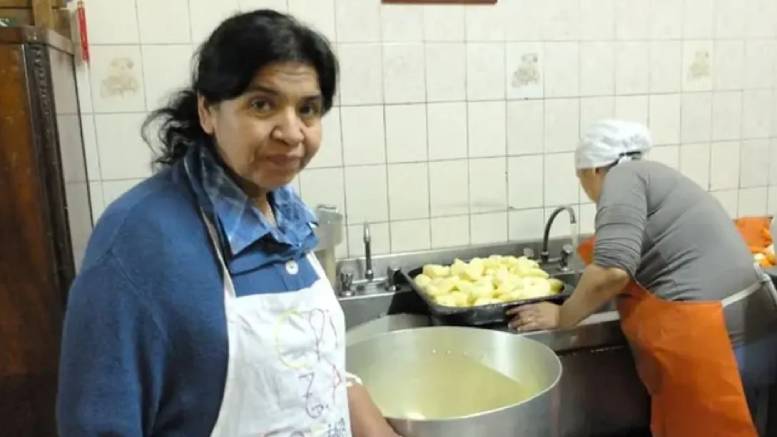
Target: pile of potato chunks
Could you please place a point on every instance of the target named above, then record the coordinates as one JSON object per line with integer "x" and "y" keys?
{"x": 484, "y": 281}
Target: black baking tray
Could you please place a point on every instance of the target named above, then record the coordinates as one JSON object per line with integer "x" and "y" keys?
{"x": 491, "y": 314}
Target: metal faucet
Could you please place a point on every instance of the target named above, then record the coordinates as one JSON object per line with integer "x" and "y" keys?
{"x": 567, "y": 250}
{"x": 369, "y": 275}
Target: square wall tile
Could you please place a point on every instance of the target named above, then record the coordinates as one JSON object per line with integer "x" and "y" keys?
{"x": 562, "y": 124}
{"x": 485, "y": 22}
{"x": 487, "y": 135}
{"x": 759, "y": 63}
{"x": 754, "y": 164}
{"x": 772, "y": 202}
{"x": 696, "y": 117}
{"x": 524, "y": 20}
{"x": 729, "y": 200}
{"x": 361, "y": 68}
{"x": 318, "y": 14}
{"x": 632, "y": 19}
{"x": 406, "y": 133}
{"x": 666, "y": 66}
{"x": 363, "y": 135}
{"x": 443, "y": 22}
{"x": 561, "y": 185}
{"x": 667, "y": 155}
{"x": 410, "y": 236}
{"x": 485, "y": 67}
{"x": 729, "y": 65}
{"x": 123, "y": 154}
{"x": 760, "y": 19}
{"x": 112, "y": 22}
{"x": 632, "y": 108}
{"x": 366, "y": 194}
{"x": 404, "y": 77}
{"x": 730, "y": 20}
{"x": 524, "y": 181}
{"x": 597, "y": 20}
{"x": 695, "y": 163}
{"x": 697, "y": 65}
{"x": 84, "y": 88}
{"x": 450, "y": 232}
{"x": 773, "y": 163}
{"x": 527, "y": 225}
{"x": 206, "y": 15}
{"x": 631, "y": 76}
{"x": 665, "y": 118}
{"x": 166, "y": 69}
{"x": 358, "y": 20}
{"x": 112, "y": 190}
{"x": 380, "y": 241}
{"x": 408, "y": 191}
{"x": 90, "y": 148}
{"x": 560, "y": 20}
{"x": 447, "y": 124}
{"x": 96, "y": 200}
{"x": 276, "y": 5}
{"x": 666, "y": 19}
{"x": 156, "y": 27}
{"x": 724, "y": 166}
{"x": 587, "y": 219}
{"x": 726, "y": 115}
{"x": 449, "y": 187}
{"x": 593, "y": 109}
{"x": 402, "y": 23}
{"x": 757, "y": 106}
{"x": 117, "y": 79}
{"x": 699, "y": 19}
{"x": 525, "y": 127}
{"x": 753, "y": 201}
{"x": 562, "y": 75}
{"x": 488, "y": 184}
{"x": 597, "y": 67}
{"x": 524, "y": 73}
{"x": 446, "y": 69}
{"x": 489, "y": 228}
{"x": 330, "y": 154}
{"x": 323, "y": 186}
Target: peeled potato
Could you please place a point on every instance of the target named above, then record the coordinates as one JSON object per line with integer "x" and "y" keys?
{"x": 436, "y": 271}
{"x": 422, "y": 280}
{"x": 536, "y": 287}
{"x": 536, "y": 273}
{"x": 485, "y": 301}
{"x": 458, "y": 267}
{"x": 473, "y": 272}
{"x": 460, "y": 299}
{"x": 555, "y": 285}
{"x": 445, "y": 300}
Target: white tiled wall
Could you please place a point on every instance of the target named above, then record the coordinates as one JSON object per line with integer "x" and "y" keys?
{"x": 455, "y": 124}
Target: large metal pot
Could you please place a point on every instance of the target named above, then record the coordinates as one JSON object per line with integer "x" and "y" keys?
{"x": 385, "y": 363}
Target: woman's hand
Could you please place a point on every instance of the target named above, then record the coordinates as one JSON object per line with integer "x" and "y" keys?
{"x": 533, "y": 317}
{"x": 366, "y": 418}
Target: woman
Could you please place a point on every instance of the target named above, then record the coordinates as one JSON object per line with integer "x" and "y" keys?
{"x": 673, "y": 257}
{"x": 200, "y": 309}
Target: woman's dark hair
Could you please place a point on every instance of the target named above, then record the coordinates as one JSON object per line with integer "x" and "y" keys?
{"x": 225, "y": 65}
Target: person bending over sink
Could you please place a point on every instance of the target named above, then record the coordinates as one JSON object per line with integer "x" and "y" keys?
{"x": 700, "y": 318}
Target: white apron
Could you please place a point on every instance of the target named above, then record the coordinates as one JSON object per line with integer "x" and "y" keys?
{"x": 286, "y": 368}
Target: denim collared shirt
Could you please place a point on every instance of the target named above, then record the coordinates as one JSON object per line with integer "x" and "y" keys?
{"x": 241, "y": 224}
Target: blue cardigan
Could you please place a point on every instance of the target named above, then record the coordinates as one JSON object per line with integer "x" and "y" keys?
{"x": 144, "y": 349}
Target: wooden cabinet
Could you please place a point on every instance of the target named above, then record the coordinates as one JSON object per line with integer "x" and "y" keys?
{"x": 45, "y": 220}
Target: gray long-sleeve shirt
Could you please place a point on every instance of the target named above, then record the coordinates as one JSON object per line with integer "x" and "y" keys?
{"x": 671, "y": 236}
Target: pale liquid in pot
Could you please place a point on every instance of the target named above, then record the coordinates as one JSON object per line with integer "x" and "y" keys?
{"x": 440, "y": 386}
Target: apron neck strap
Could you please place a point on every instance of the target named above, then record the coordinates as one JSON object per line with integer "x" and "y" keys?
{"x": 229, "y": 286}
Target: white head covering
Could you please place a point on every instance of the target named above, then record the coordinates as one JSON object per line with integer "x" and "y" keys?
{"x": 609, "y": 142}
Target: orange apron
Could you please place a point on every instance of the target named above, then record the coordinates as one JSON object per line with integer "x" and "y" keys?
{"x": 685, "y": 359}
